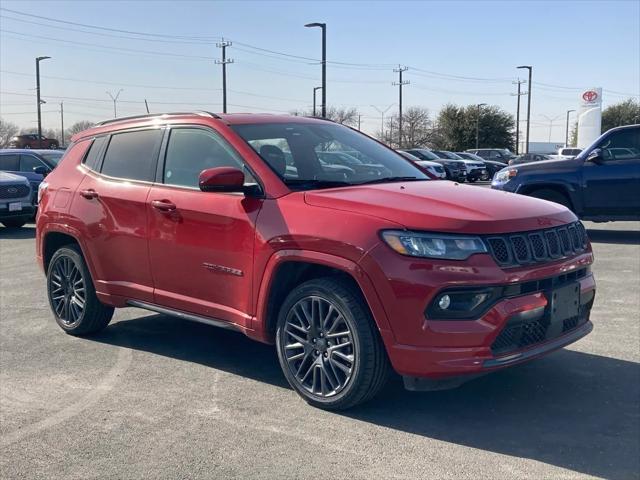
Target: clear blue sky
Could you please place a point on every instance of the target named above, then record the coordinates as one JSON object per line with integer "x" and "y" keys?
{"x": 572, "y": 44}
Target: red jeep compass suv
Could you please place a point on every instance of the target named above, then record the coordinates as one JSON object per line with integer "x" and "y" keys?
{"x": 233, "y": 220}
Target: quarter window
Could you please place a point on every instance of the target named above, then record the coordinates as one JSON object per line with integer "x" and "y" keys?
{"x": 133, "y": 155}
{"x": 92, "y": 160}
{"x": 192, "y": 150}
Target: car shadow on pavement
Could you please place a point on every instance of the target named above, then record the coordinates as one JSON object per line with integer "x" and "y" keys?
{"x": 574, "y": 410}
{"x": 18, "y": 233}
{"x": 194, "y": 342}
{"x": 628, "y": 237}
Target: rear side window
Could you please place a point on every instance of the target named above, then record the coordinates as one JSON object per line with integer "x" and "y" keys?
{"x": 9, "y": 162}
{"x": 133, "y": 155}
{"x": 92, "y": 160}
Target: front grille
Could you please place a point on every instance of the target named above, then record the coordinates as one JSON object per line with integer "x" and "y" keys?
{"x": 538, "y": 246}
{"x": 13, "y": 191}
{"x": 518, "y": 334}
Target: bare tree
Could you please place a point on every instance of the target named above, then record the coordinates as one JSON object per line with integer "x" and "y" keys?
{"x": 7, "y": 130}
{"x": 343, "y": 115}
{"x": 417, "y": 129}
{"x": 78, "y": 127}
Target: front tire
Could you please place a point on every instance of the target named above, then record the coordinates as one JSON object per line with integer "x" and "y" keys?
{"x": 72, "y": 296}
{"x": 552, "y": 196}
{"x": 328, "y": 345}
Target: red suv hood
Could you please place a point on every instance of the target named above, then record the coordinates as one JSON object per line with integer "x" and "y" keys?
{"x": 444, "y": 206}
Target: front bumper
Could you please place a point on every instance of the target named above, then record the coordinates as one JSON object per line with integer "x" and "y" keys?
{"x": 435, "y": 349}
{"x": 28, "y": 210}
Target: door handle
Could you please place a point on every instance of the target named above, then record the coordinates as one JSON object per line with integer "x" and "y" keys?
{"x": 163, "y": 205}
{"x": 89, "y": 194}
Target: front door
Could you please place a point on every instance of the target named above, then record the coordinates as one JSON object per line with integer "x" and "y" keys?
{"x": 201, "y": 243}
{"x": 612, "y": 184}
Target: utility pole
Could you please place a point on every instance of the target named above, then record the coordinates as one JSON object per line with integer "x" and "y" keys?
{"x": 38, "y": 100}
{"x": 315, "y": 89}
{"x": 530, "y": 68}
{"x": 114, "y": 99}
{"x": 323, "y": 26}
{"x": 480, "y": 105}
{"x": 566, "y": 135}
{"x": 359, "y": 117}
{"x": 382, "y": 113}
{"x": 223, "y": 45}
{"x": 519, "y": 94}
{"x": 400, "y": 84}
{"x": 61, "y": 124}
{"x": 146, "y": 105}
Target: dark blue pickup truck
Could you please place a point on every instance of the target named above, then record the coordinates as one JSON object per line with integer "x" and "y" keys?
{"x": 600, "y": 184}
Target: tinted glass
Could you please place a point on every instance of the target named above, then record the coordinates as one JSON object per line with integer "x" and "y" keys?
{"x": 92, "y": 160}
{"x": 308, "y": 142}
{"x": 132, "y": 155}
{"x": 192, "y": 150}
{"x": 52, "y": 157}
{"x": 9, "y": 162}
{"x": 29, "y": 162}
{"x": 621, "y": 145}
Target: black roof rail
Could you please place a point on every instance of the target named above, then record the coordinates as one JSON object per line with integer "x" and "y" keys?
{"x": 152, "y": 115}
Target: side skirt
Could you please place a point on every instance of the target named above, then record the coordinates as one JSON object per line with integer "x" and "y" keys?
{"x": 184, "y": 315}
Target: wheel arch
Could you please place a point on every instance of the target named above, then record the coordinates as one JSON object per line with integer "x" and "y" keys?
{"x": 562, "y": 189}
{"x": 287, "y": 269}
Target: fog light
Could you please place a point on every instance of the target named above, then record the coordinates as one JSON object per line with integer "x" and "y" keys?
{"x": 444, "y": 302}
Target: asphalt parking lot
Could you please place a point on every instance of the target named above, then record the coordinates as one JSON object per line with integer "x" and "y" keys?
{"x": 156, "y": 397}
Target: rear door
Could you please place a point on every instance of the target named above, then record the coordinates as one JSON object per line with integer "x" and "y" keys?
{"x": 201, "y": 243}
{"x": 611, "y": 186}
{"x": 112, "y": 199}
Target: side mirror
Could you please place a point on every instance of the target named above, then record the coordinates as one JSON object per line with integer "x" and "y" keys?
{"x": 595, "y": 156}
{"x": 41, "y": 170}
{"x": 221, "y": 179}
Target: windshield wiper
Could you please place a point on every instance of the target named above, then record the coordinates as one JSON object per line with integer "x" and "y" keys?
{"x": 311, "y": 183}
{"x": 390, "y": 179}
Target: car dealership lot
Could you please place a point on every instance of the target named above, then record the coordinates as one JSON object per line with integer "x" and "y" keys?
{"x": 156, "y": 397}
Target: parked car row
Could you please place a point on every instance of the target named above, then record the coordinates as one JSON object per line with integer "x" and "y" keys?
{"x": 458, "y": 166}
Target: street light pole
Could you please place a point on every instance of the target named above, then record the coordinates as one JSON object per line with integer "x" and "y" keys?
{"x": 39, "y": 102}
{"x": 551, "y": 120}
{"x": 530, "y": 68}
{"x": 478, "y": 124}
{"x": 61, "y": 124}
{"x": 566, "y": 135}
{"x": 323, "y": 26}
{"x": 315, "y": 89}
{"x": 115, "y": 99}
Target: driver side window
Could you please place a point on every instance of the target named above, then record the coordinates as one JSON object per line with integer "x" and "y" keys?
{"x": 621, "y": 145}
{"x": 192, "y": 150}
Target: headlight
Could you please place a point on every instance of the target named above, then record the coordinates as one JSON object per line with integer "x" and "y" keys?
{"x": 433, "y": 245}
{"x": 503, "y": 176}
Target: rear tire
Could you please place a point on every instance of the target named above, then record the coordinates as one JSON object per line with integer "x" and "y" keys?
{"x": 13, "y": 222}
{"x": 72, "y": 296}
{"x": 552, "y": 196}
{"x": 328, "y": 345}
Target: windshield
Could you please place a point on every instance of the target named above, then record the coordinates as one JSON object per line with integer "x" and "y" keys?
{"x": 428, "y": 155}
{"x": 52, "y": 157}
{"x": 449, "y": 155}
{"x": 323, "y": 155}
